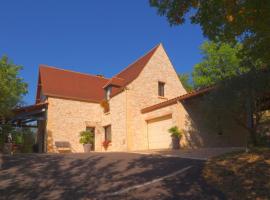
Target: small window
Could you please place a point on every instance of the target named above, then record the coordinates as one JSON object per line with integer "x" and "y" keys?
{"x": 108, "y": 133}
{"x": 108, "y": 92}
{"x": 161, "y": 87}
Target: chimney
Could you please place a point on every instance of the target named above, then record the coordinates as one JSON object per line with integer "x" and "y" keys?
{"x": 100, "y": 75}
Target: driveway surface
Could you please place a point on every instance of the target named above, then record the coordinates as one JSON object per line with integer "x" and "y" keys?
{"x": 102, "y": 176}
{"x": 198, "y": 154}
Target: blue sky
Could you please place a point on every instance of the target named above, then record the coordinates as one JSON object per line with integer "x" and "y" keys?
{"x": 96, "y": 37}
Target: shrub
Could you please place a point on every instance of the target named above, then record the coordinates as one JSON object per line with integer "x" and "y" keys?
{"x": 86, "y": 137}
{"x": 106, "y": 144}
{"x": 175, "y": 132}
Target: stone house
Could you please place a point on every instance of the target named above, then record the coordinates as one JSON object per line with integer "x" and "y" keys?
{"x": 145, "y": 99}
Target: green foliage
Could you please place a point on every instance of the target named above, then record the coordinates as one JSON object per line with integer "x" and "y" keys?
{"x": 86, "y": 137}
{"x": 220, "y": 62}
{"x": 227, "y": 21}
{"x": 175, "y": 132}
{"x": 12, "y": 88}
{"x": 17, "y": 138}
{"x": 185, "y": 80}
{"x": 5, "y": 129}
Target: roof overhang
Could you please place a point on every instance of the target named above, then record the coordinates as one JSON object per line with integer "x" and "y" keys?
{"x": 27, "y": 114}
{"x": 184, "y": 97}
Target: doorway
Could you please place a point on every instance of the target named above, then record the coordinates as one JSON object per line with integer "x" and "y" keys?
{"x": 92, "y": 130}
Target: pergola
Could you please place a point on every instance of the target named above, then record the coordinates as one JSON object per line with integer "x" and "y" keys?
{"x": 25, "y": 115}
{"x": 33, "y": 116}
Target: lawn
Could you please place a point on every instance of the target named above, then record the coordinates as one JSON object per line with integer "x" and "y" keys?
{"x": 241, "y": 175}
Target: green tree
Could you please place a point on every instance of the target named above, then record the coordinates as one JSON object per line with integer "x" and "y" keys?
{"x": 228, "y": 21}
{"x": 12, "y": 87}
{"x": 220, "y": 62}
{"x": 185, "y": 80}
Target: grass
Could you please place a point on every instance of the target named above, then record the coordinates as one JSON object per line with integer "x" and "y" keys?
{"x": 241, "y": 175}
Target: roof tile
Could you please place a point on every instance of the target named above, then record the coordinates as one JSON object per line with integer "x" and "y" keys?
{"x": 73, "y": 85}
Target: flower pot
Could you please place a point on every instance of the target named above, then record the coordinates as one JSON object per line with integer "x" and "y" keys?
{"x": 175, "y": 142}
{"x": 87, "y": 148}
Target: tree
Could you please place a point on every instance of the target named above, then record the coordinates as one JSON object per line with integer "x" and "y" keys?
{"x": 220, "y": 62}
{"x": 237, "y": 97}
{"x": 12, "y": 87}
{"x": 185, "y": 80}
{"x": 245, "y": 21}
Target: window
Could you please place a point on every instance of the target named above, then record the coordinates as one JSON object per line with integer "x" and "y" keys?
{"x": 161, "y": 86}
{"x": 108, "y": 92}
{"x": 108, "y": 133}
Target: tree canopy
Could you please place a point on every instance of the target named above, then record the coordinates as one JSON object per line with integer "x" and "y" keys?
{"x": 220, "y": 61}
{"x": 12, "y": 87}
{"x": 185, "y": 80}
{"x": 245, "y": 21}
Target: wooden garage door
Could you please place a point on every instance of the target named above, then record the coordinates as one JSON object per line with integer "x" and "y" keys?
{"x": 158, "y": 135}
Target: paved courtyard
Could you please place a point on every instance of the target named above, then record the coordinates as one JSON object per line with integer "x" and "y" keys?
{"x": 103, "y": 176}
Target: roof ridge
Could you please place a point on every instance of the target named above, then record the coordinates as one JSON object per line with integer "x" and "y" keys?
{"x": 145, "y": 54}
{"x": 67, "y": 70}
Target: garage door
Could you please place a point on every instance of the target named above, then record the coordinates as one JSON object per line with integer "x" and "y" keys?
{"x": 158, "y": 135}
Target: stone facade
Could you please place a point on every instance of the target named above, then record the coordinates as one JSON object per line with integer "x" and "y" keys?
{"x": 117, "y": 119}
{"x": 143, "y": 92}
{"x": 66, "y": 118}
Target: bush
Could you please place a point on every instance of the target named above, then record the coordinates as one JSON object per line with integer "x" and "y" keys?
{"x": 106, "y": 144}
{"x": 86, "y": 137}
{"x": 175, "y": 132}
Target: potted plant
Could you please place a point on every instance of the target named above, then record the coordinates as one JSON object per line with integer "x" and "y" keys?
{"x": 87, "y": 139}
{"x": 106, "y": 144}
{"x": 176, "y": 135}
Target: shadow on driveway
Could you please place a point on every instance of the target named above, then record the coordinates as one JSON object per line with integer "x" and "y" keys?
{"x": 95, "y": 175}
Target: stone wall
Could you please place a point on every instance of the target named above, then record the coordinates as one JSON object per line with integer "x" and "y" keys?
{"x": 197, "y": 133}
{"x": 201, "y": 132}
{"x": 66, "y": 119}
{"x": 117, "y": 119}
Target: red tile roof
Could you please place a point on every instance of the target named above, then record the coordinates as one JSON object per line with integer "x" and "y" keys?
{"x": 169, "y": 102}
{"x": 118, "y": 82}
{"x": 73, "y": 85}
{"x": 132, "y": 71}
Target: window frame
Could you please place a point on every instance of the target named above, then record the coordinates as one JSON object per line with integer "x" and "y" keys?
{"x": 106, "y": 128}
{"x": 161, "y": 89}
{"x": 108, "y": 92}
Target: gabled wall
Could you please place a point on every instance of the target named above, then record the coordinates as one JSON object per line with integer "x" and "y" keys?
{"x": 143, "y": 92}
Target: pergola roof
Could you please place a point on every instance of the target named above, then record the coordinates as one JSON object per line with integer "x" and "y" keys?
{"x": 30, "y": 113}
